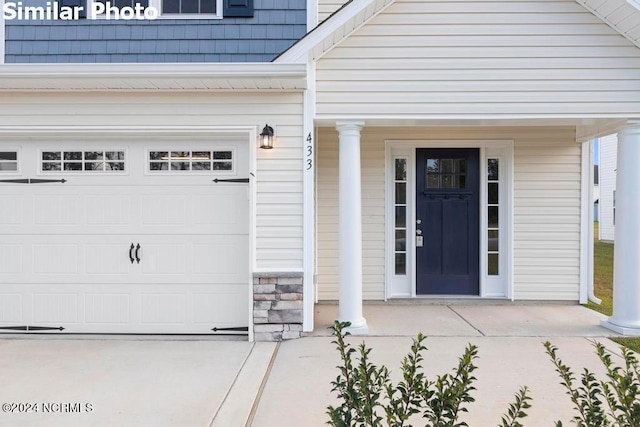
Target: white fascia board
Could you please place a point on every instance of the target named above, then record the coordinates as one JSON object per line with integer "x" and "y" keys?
{"x": 299, "y": 51}
{"x": 218, "y": 70}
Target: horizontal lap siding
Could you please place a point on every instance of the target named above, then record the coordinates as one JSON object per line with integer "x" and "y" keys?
{"x": 279, "y": 171}
{"x": 440, "y": 58}
{"x": 327, "y": 7}
{"x": 547, "y": 216}
{"x": 546, "y": 207}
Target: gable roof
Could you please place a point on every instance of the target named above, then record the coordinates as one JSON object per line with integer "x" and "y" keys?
{"x": 337, "y": 27}
{"x": 621, "y": 15}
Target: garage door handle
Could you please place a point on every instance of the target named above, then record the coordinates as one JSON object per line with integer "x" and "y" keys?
{"x": 131, "y": 253}
{"x": 137, "y": 251}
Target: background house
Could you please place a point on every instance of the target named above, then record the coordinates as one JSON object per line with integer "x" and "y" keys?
{"x": 596, "y": 193}
{"x": 608, "y": 162}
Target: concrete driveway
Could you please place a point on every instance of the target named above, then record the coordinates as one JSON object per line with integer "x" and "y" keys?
{"x": 124, "y": 382}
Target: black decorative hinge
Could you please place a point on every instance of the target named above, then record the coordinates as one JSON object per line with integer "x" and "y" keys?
{"x": 32, "y": 181}
{"x": 238, "y": 180}
{"x": 30, "y": 328}
{"x": 238, "y": 329}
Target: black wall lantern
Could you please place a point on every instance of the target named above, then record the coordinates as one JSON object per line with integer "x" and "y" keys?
{"x": 266, "y": 138}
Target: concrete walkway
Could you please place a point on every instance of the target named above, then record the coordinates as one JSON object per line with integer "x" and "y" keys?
{"x": 136, "y": 381}
{"x": 511, "y": 354}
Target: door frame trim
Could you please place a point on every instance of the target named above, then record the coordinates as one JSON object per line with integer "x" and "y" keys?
{"x": 408, "y": 150}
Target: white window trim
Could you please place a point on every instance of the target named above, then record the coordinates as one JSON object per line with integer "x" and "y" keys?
{"x": 40, "y": 172}
{"x": 19, "y": 161}
{"x": 158, "y": 5}
{"x": 210, "y": 147}
{"x": 488, "y": 149}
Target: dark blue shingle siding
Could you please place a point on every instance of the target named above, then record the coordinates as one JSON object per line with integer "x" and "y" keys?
{"x": 275, "y": 26}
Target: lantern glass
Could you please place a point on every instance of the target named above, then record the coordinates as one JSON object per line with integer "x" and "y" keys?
{"x": 266, "y": 138}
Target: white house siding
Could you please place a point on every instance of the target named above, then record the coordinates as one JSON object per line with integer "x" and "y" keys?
{"x": 279, "y": 171}
{"x": 608, "y": 161}
{"x": 477, "y": 58}
{"x": 546, "y": 207}
{"x": 327, "y": 7}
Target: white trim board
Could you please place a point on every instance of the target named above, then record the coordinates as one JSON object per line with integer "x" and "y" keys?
{"x": 153, "y": 77}
{"x": 309, "y": 170}
{"x": 502, "y": 149}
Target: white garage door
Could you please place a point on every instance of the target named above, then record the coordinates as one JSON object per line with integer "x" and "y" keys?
{"x": 137, "y": 239}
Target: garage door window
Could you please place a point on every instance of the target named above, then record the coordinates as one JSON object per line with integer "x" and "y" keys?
{"x": 8, "y": 161}
{"x": 83, "y": 161}
{"x": 191, "y": 161}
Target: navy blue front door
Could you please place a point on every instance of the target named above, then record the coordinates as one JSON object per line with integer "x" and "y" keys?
{"x": 447, "y": 209}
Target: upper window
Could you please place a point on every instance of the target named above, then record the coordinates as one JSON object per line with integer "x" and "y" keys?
{"x": 8, "y": 161}
{"x": 183, "y": 9}
{"x": 189, "y": 6}
{"x": 82, "y": 161}
{"x": 191, "y": 161}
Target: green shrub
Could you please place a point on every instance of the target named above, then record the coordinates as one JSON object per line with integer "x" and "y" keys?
{"x": 368, "y": 397}
{"x": 610, "y": 402}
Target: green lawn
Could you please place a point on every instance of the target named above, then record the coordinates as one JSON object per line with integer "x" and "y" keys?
{"x": 603, "y": 284}
{"x": 603, "y": 275}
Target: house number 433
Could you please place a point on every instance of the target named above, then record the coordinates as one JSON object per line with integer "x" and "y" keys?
{"x": 309, "y": 151}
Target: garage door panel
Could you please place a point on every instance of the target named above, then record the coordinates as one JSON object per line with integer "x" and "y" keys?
{"x": 223, "y": 258}
{"x": 125, "y": 308}
{"x": 57, "y": 209}
{"x": 164, "y": 309}
{"x": 109, "y": 209}
{"x": 11, "y": 308}
{"x": 207, "y": 309}
{"x": 107, "y": 259}
{"x": 11, "y": 211}
{"x": 56, "y": 258}
{"x": 55, "y": 308}
{"x": 107, "y": 309}
{"x": 147, "y": 210}
{"x": 164, "y": 210}
{"x": 164, "y": 259}
{"x": 11, "y": 259}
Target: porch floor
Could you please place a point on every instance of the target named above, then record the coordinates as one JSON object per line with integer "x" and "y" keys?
{"x": 470, "y": 319}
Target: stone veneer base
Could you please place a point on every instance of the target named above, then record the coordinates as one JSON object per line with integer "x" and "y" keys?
{"x": 277, "y": 306}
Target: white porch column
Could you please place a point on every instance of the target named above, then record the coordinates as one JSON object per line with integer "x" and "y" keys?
{"x": 350, "y": 227}
{"x": 626, "y": 264}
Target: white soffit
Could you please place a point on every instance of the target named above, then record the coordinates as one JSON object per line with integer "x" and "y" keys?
{"x": 152, "y": 77}
{"x": 622, "y": 15}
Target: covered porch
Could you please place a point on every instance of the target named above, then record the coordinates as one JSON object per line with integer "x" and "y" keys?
{"x": 526, "y": 237}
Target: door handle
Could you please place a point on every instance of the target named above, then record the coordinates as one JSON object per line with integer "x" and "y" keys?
{"x": 137, "y": 251}
{"x": 131, "y": 253}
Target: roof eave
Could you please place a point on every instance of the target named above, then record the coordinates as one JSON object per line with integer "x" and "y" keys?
{"x": 152, "y": 77}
